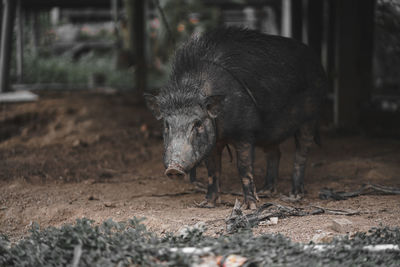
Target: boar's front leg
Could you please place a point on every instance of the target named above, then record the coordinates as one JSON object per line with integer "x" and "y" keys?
{"x": 194, "y": 181}
{"x": 245, "y": 160}
{"x": 213, "y": 164}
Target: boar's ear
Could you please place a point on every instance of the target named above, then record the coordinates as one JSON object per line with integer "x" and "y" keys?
{"x": 214, "y": 105}
{"x": 151, "y": 102}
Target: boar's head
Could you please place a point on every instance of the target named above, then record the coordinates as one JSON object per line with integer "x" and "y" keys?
{"x": 189, "y": 127}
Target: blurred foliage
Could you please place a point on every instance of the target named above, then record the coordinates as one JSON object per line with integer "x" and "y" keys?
{"x": 63, "y": 69}
{"x": 49, "y": 66}
{"x": 131, "y": 244}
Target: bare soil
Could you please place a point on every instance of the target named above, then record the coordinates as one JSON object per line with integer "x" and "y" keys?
{"x": 74, "y": 155}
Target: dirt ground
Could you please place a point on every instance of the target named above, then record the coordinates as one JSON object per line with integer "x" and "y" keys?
{"x": 73, "y": 155}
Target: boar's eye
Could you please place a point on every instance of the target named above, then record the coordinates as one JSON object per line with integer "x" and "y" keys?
{"x": 198, "y": 125}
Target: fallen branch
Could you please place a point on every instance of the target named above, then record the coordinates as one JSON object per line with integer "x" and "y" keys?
{"x": 320, "y": 210}
{"x": 328, "y": 193}
{"x": 238, "y": 220}
{"x": 167, "y": 194}
{"x": 370, "y": 248}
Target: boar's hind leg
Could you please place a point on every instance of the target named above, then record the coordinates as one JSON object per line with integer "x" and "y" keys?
{"x": 213, "y": 163}
{"x": 304, "y": 138}
{"x": 245, "y": 159}
{"x": 273, "y": 155}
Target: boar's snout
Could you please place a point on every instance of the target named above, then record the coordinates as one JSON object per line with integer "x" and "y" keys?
{"x": 175, "y": 172}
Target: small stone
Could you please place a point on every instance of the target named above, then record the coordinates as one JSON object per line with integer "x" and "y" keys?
{"x": 342, "y": 225}
{"x": 110, "y": 205}
{"x": 322, "y": 237}
{"x": 78, "y": 143}
{"x": 271, "y": 221}
{"x": 92, "y": 198}
{"x": 89, "y": 181}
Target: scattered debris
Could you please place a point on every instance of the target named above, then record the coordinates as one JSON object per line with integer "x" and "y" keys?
{"x": 382, "y": 247}
{"x": 77, "y": 255}
{"x": 319, "y": 210}
{"x": 222, "y": 261}
{"x": 270, "y": 221}
{"x": 76, "y": 143}
{"x": 342, "y": 225}
{"x": 328, "y": 193}
{"x": 370, "y": 248}
{"x": 92, "y": 198}
{"x": 232, "y": 261}
{"x": 81, "y": 143}
{"x": 238, "y": 220}
{"x": 192, "y": 250}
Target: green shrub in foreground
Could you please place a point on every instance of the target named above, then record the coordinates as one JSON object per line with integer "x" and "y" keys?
{"x": 130, "y": 244}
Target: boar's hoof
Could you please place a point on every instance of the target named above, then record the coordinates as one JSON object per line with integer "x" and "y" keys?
{"x": 206, "y": 204}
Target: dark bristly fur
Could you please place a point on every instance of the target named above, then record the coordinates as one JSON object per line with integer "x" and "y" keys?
{"x": 240, "y": 87}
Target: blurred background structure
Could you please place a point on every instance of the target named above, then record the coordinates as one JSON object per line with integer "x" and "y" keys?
{"x": 127, "y": 45}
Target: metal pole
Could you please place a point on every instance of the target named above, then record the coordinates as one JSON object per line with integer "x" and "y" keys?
{"x": 5, "y": 45}
{"x": 286, "y": 21}
{"x": 114, "y": 15}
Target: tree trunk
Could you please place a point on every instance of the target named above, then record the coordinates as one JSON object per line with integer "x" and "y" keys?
{"x": 135, "y": 10}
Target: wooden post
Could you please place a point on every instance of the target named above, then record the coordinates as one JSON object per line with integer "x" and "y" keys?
{"x": 139, "y": 37}
{"x": 20, "y": 42}
{"x": 136, "y": 24}
{"x": 5, "y": 45}
{"x": 315, "y": 25}
{"x": 354, "y": 49}
{"x": 297, "y": 19}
